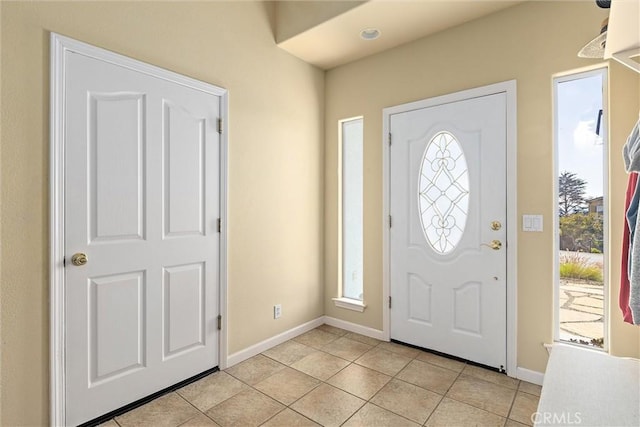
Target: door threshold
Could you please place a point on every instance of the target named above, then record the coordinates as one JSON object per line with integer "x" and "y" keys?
{"x": 131, "y": 406}
{"x": 449, "y": 356}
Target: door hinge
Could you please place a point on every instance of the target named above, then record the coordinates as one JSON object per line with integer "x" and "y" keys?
{"x": 219, "y": 225}
{"x": 219, "y": 125}
{"x": 389, "y": 138}
{"x": 64, "y": 261}
{"x": 389, "y": 302}
{"x": 219, "y": 322}
{"x": 389, "y": 221}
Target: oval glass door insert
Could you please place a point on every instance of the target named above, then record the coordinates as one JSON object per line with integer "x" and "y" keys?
{"x": 443, "y": 197}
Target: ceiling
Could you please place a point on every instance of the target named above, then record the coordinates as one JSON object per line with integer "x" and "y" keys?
{"x": 327, "y": 33}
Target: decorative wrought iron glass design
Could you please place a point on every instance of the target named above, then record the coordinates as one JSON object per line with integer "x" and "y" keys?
{"x": 443, "y": 192}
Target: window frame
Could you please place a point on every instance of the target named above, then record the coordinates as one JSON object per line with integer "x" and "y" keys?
{"x": 343, "y": 301}
{"x": 556, "y": 79}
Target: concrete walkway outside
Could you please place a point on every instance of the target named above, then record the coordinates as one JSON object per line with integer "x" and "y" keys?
{"x": 581, "y": 310}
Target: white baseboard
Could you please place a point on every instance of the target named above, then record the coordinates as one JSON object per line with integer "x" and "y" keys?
{"x": 258, "y": 348}
{"x": 353, "y": 327}
{"x": 529, "y": 375}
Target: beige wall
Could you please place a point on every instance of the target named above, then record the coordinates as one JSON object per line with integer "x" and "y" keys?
{"x": 529, "y": 43}
{"x": 275, "y": 166}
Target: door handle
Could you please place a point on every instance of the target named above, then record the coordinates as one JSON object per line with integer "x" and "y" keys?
{"x": 79, "y": 259}
{"x": 495, "y": 245}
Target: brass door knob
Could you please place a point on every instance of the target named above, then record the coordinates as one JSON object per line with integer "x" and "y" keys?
{"x": 496, "y": 225}
{"x": 495, "y": 245}
{"x": 79, "y": 259}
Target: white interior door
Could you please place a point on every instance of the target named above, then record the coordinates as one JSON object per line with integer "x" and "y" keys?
{"x": 448, "y": 234}
{"x": 142, "y": 185}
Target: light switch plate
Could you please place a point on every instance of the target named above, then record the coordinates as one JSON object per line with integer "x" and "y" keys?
{"x": 532, "y": 223}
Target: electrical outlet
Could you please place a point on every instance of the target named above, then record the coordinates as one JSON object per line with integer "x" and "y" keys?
{"x": 277, "y": 311}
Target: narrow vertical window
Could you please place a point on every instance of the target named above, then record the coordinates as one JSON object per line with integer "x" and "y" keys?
{"x": 351, "y": 132}
{"x": 581, "y": 207}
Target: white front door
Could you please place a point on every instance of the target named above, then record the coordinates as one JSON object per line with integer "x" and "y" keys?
{"x": 142, "y": 182}
{"x": 448, "y": 234}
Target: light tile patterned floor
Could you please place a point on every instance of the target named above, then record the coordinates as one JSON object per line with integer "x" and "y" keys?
{"x": 332, "y": 377}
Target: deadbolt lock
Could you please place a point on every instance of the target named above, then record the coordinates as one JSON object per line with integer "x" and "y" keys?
{"x": 79, "y": 259}
{"x": 496, "y": 225}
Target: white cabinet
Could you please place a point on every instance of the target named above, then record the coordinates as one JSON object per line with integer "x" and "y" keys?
{"x": 623, "y": 33}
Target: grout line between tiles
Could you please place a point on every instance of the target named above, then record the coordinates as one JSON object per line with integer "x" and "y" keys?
{"x": 355, "y": 412}
{"x": 305, "y": 394}
{"x": 191, "y": 404}
{"x": 445, "y": 393}
{"x": 515, "y": 395}
{"x": 434, "y": 409}
{"x": 275, "y": 415}
{"x": 482, "y": 409}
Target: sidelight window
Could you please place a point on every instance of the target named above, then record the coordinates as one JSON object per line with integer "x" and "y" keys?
{"x": 351, "y": 137}
{"x": 581, "y": 208}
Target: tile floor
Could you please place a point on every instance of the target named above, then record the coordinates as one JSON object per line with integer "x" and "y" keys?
{"x": 332, "y": 377}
